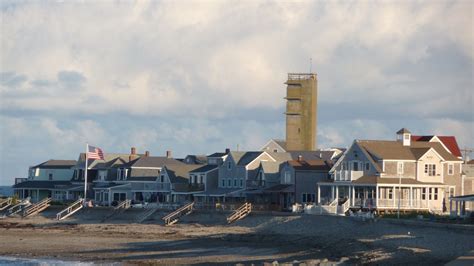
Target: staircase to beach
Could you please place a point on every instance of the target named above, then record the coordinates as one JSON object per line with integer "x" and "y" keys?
{"x": 5, "y": 203}
{"x": 70, "y": 210}
{"x": 242, "y": 212}
{"x": 174, "y": 216}
{"x": 343, "y": 208}
{"x": 36, "y": 208}
{"x": 19, "y": 207}
{"x": 149, "y": 211}
{"x": 120, "y": 208}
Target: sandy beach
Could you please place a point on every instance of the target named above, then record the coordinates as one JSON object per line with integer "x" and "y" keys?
{"x": 205, "y": 238}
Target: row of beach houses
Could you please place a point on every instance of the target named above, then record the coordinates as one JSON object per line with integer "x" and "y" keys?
{"x": 410, "y": 172}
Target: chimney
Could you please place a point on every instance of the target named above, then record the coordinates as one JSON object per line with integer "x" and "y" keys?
{"x": 147, "y": 154}
{"x": 300, "y": 158}
{"x": 133, "y": 154}
{"x": 227, "y": 151}
{"x": 168, "y": 154}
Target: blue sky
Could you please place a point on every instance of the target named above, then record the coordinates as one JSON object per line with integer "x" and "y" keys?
{"x": 196, "y": 77}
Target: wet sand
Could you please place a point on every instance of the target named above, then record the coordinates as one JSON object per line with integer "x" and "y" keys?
{"x": 205, "y": 238}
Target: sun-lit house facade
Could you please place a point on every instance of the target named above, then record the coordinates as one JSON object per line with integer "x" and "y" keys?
{"x": 387, "y": 175}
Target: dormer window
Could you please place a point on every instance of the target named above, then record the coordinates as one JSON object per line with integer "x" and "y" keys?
{"x": 229, "y": 165}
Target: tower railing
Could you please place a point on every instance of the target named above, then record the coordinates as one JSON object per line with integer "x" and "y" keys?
{"x": 301, "y": 76}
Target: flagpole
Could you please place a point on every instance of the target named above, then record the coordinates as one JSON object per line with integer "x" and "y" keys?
{"x": 85, "y": 173}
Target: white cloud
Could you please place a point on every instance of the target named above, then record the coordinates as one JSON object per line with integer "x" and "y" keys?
{"x": 172, "y": 63}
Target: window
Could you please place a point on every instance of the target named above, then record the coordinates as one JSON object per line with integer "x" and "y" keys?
{"x": 229, "y": 165}
{"x": 235, "y": 182}
{"x": 423, "y": 193}
{"x": 429, "y": 195}
{"x": 390, "y": 193}
{"x": 241, "y": 183}
{"x": 162, "y": 178}
{"x": 400, "y": 168}
{"x": 430, "y": 169}
{"x": 223, "y": 183}
{"x": 201, "y": 179}
{"x": 102, "y": 175}
{"x": 287, "y": 179}
{"x": 275, "y": 150}
{"x": 406, "y": 136}
{"x": 367, "y": 166}
{"x": 50, "y": 176}
{"x": 355, "y": 166}
{"x": 229, "y": 183}
{"x": 435, "y": 196}
{"x": 307, "y": 197}
{"x": 450, "y": 169}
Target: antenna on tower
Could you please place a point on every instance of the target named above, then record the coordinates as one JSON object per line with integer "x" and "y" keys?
{"x": 310, "y": 64}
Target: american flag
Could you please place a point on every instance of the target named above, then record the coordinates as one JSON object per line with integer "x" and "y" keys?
{"x": 95, "y": 153}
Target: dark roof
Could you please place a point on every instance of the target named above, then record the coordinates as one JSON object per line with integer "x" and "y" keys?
{"x": 310, "y": 165}
{"x": 217, "y": 154}
{"x": 179, "y": 173}
{"x": 195, "y": 159}
{"x": 205, "y": 168}
{"x": 43, "y": 184}
{"x": 279, "y": 188}
{"x": 106, "y": 165}
{"x": 403, "y": 131}
{"x": 313, "y": 155}
{"x": 248, "y": 157}
{"x": 152, "y": 161}
{"x": 56, "y": 164}
{"x": 394, "y": 150}
{"x": 142, "y": 178}
{"x": 449, "y": 142}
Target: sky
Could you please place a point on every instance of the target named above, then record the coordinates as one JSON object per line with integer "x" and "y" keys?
{"x": 196, "y": 77}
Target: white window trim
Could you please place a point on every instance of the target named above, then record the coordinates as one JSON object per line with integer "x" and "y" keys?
{"x": 451, "y": 165}
{"x": 400, "y": 168}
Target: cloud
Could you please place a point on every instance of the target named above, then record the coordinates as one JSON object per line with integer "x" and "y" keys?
{"x": 202, "y": 76}
{"x": 11, "y": 79}
{"x": 71, "y": 79}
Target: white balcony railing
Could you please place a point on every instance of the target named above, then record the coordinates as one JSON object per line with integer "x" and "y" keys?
{"x": 347, "y": 175}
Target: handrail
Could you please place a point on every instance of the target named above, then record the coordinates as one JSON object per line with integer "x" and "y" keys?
{"x": 240, "y": 213}
{"x": 35, "y": 208}
{"x": 173, "y": 217}
{"x": 124, "y": 204}
{"x": 178, "y": 210}
{"x": 70, "y": 209}
{"x": 18, "y": 207}
{"x": 147, "y": 213}
{"x": 6, "y": 202}
{"x": 334, "y": 202}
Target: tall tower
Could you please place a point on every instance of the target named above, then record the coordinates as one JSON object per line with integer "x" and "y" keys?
{"x": 301, "y": 102}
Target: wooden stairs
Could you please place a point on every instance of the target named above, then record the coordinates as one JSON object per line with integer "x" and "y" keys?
{"x": 5, "y": 203}
{"x": 173, "y": 217}
{"x": 120, "y": 208}
{"x": 36, "y": 208}
{"x": 19, "y": 207}
{"x": 145, "y": 214}
{"x": 240, "y": 213}
{"x": 70, "y": 210}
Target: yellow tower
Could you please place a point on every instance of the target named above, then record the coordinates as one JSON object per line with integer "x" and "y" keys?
{"x": 301, "y": 102}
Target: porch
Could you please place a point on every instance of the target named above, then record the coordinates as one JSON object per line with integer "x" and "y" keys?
{"x": 386, "y": 196}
